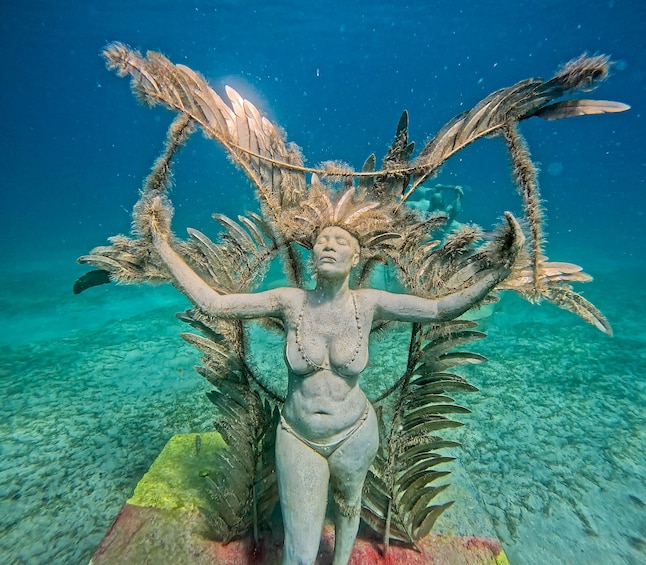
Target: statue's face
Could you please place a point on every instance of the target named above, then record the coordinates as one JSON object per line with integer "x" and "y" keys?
{"x": 335, "y": 251}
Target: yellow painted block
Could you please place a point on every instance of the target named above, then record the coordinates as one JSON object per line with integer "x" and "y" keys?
{"x": 176, "y": 479}
{"x": 501, "y": 559}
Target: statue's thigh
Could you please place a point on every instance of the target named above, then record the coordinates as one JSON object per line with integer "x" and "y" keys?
{"x": 303, "y": 475}
{"x": 351, "y": 461}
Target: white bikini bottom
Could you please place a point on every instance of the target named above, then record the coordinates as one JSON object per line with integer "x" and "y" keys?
{"x": 327, "y": 449}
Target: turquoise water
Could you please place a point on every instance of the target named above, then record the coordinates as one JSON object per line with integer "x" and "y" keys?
{"x": 92, "y": 386}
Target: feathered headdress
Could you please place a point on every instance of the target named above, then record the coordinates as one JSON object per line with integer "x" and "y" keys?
{"x": 293, "y": 210}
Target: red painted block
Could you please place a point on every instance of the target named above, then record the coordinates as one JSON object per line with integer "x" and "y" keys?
{"x": 162, "y": 536}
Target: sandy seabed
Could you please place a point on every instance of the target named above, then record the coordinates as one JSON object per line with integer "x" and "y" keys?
{"x": 92, "y": 387}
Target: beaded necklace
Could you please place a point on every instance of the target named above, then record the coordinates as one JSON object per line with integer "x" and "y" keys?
{"x": 306, "y": 357}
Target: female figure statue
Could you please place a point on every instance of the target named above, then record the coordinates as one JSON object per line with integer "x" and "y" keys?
{"x": 327, "y": 436}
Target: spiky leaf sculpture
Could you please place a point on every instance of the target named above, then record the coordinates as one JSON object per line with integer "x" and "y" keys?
{"x": 402, "y": 483}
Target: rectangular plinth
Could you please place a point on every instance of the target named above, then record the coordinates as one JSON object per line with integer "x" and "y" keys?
{"x": 162, "y": 524}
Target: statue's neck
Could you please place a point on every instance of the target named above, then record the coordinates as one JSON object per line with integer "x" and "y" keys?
{"x": 330, "y": 289}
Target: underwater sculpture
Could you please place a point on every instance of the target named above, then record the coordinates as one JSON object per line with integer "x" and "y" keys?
{"x": 328, "y": 431}
{"x": 325, "y": 425}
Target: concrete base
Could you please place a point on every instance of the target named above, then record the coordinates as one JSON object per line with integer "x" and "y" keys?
{"x": 161, "y": 524}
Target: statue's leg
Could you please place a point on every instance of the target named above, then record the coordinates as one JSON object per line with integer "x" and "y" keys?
{"x": 348, "y": 467}
{"x": 303, "y": 479}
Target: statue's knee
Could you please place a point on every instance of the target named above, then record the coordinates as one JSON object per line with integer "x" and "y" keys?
{"x": 347, "y": 508}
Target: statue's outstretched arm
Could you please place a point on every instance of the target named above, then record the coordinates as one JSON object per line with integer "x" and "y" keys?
{"x": 408, "y": 308}
{"x": 256, "y": 305}
{"x": 477, "y": 277}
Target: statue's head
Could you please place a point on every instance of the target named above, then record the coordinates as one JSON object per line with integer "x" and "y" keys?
{"x": 335, "y": 251}
{"x": 363, "y": 219}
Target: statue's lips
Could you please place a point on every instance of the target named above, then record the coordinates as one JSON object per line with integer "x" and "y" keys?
{"x": 327, "y": 259}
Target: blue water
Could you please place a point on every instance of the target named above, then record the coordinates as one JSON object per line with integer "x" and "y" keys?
{"x": 93, "y": 385}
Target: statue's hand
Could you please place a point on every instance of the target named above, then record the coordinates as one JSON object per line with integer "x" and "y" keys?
{"x": 159, "y": 214}
{"x": 511, "y": 243}
{"x": 487, "y": 279}
{"x": 495, "y": 274}
{"x": 153, "y": 218}
{"x": 159, "y": 228}
{"x": 493, "y": 267}
{"x": 497, "y": 261}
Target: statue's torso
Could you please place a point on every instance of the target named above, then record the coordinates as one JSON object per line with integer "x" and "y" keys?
{"x": 325, "y": 351}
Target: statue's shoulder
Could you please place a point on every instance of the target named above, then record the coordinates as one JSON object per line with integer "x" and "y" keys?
{"x": 368, "y": 296}
{"x": 290, "y": 297}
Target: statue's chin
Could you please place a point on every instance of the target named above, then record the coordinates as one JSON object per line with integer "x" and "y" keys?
{"x": 332, "y": 270}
